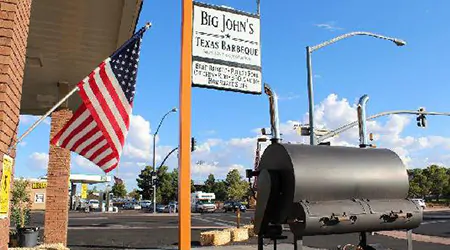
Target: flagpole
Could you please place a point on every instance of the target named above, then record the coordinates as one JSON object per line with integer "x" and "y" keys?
{"x": 42, "y": 118}
{"x": 12, "y": 147}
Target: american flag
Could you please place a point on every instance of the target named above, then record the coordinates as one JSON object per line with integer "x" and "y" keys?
{"x": 98, "y": 128}
{"x": 117, "y": 180}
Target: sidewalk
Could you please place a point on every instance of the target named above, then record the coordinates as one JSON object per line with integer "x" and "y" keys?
{"x": 282, "y": 246}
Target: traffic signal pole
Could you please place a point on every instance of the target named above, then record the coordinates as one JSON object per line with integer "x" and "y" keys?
{"x": 395, "y": 112}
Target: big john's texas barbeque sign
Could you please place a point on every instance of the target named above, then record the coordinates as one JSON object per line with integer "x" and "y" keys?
{"x": 226, "y": 49}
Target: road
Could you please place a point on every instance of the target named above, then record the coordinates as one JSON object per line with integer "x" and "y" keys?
{"x": 143, "y": 231}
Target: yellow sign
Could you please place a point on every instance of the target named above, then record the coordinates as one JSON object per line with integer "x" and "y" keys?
{"x": 84, "y": 187}
{"x": 39, "y": 185}
{"x": 5, "y": 185}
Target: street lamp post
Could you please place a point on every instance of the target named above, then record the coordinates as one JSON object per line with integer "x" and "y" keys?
{"x": 310, "y": 49}
{"x": 154, "y": 156}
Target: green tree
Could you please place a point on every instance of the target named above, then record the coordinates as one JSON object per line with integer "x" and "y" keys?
{"x": 220, "y": 190}
{"x": 92, "y": 191}
{"x": 437, "y": 178}
{"x": 135, "y": 194}
{"x": 20, "y": 203}
{"x": 210, "y": 184}
{"x": 236, "y": 187}
{"x": 119, "y": 190}
{"x": 165, "y": 190}
{"x": 144, "y": 183}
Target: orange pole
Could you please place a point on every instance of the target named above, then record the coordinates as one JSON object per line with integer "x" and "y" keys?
{"x": 184, "y": 185}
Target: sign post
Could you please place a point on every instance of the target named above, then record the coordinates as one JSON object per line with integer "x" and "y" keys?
{"x": 184, "y": 185}
{"x": 220, "y": 49}
{"x": 5, "y": 185}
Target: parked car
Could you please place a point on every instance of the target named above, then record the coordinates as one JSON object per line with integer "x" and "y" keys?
{"x": 160, "y": 208}
{"x": 171, "y": 207}
{"x": 420, "y": 202}
{"x": 145, "y": 204}
{"x": 233, "y": 206}
{"x": 93, "y": 205}
{"x": 132, "y": 206}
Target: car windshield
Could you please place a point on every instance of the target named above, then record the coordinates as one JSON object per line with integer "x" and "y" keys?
{"x": 94, "y": 202}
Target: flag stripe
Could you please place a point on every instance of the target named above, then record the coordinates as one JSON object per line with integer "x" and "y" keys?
{"x": 64, "y": 132}
{"x": 92, "y": 142}
{"x": 96, "y": 158}
{"x": 90, "y": 136}
{"x": 102, "y": 109}
{"x": 105, "y": 159}
{"x": 116, "y": 93}
{"x": 104, "y": 87}
{"x": 100, "y": 151}
{"x": 107, "y": 168}
{"x": 101, "y": 145}
{"x": 91, "y": 104}
{"x": 80, "y": 131}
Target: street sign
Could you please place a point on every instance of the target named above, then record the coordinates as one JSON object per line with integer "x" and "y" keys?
{"x": 5, "y": 185}
{"x": 84, "y": 188}
{"x": 226, "y": 50}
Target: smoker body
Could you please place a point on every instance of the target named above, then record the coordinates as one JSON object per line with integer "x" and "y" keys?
{"x": 332, "y": 190}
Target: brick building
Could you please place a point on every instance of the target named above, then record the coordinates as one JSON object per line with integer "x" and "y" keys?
{"x": 46, "y": 48}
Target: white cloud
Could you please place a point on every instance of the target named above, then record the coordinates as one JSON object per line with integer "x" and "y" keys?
{"x": 218, "y": 155}
{"x": 139, "y": 140}
{"x": 330, "y": 26}
{"x": 38, "y": 160}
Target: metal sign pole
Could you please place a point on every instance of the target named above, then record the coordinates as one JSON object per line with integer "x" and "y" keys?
{"x": 184, "y": 185}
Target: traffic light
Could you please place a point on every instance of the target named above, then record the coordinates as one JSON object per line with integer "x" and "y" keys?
{"x": 193, "y": 144}
{"x": 421, "y": 118}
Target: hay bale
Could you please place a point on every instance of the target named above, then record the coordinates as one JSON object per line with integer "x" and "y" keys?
{"x": 238, "y": 234}
{"x": 44, "y": 247}
{"x": 215, "y": 238}
{"x": 251, "y": 231}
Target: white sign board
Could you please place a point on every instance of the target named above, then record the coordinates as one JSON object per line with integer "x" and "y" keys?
{"x": 226, "y": 50}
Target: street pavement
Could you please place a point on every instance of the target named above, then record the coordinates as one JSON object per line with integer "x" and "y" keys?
{"x": 135, "y": 230}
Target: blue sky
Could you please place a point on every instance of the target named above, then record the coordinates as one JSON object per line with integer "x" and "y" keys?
{"x": 224, "y": 122}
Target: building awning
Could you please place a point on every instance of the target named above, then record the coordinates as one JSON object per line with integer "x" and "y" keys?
{"x": 87, "y": 178}
{"x": 66, "y": 41}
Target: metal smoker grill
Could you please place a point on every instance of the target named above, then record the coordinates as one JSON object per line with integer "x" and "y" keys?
{"x": 319, "y": 190}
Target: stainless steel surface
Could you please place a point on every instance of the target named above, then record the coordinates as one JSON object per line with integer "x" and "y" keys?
{"x": 273, "y": 110}
{"x": 319, "y": 173}
{"x": 362, "y": 120}
{"x": 348, "y": 216}
{"x": 320, "y": 190}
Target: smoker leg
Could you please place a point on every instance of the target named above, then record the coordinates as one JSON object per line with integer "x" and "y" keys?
{"x": 260, "y": 242}
{"x": 298, "y": 241}
{"x": 363, "y": 240}
{"x": 409, "y": 239}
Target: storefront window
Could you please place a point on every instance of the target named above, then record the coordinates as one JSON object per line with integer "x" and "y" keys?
{"x": 39, "y": 198}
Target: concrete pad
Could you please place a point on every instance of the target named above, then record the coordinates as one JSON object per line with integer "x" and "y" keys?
{"x": 283, "y": 246}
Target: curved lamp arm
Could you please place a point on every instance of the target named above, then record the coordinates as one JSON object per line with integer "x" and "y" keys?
{"x": 398, "y": 42}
